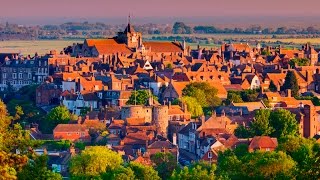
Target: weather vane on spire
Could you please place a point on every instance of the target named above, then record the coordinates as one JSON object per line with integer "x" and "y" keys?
{"x": 129, "y": 19}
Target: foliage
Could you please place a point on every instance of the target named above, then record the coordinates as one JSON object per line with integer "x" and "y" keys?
{"x": 272, "y": 86}
{"x": 80, "y": 145}
{"x": 266, "y": 53}
{"x": 11, "y": 138}
{"x": 37, "y": 169}
{"x": 143, "y": 172}
{"x": 84, "y": 111}
{"x": 169, "y": 66}
{"x": 205, "y": 94}
{"x": 256, "y": 165}
{"x": 57, "y": 145}
{"x": 199, "y": 170}
{"x": 192, "y": 105}
{"x": 234, "y": 97}
{"x": 284, "y": 123}
{"x": 291, "y": 82}
{"x": 243, "y": 132}
{"x": 181, "y": 28}
{"x": 165, "y": 163}
{"x": 121, "y": 173}
{"x": 140, "y": 97}
{"x": 94, "y": 161}
{"x": 299, "y": 62}
{"x": 306, "y": 152}
{"x": 276, "y": 123}
{"x": 260, "y": 125}
{"x": 314, "y": 99}
{"x": 58, "y": 115}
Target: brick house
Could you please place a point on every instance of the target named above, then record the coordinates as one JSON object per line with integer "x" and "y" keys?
{"x": 72, "y": 132}
{"x": 47, "y": 94}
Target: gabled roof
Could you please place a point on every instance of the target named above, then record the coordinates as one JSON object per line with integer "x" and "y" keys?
{"x": 263, "y": 142}
{"x": 70, "y": 128}
{"x": 162, "y": 144}
{"x": 251, "y": 105}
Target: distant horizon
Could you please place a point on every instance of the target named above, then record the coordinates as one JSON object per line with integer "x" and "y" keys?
{"x": 146, "y": 11}
{"x": 209, "y": 20}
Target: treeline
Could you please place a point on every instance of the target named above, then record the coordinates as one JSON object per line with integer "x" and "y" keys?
{"x": 182, "y": 28}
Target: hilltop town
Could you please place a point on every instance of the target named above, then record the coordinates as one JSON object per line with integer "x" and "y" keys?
{"x": 142, "y": 99}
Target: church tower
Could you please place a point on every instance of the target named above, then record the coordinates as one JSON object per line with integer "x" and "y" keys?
{"x": 130, "y": 37}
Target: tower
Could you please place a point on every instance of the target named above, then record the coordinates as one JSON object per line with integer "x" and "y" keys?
{"x": 129, "y": 36}
{"x": 160, "y": 119}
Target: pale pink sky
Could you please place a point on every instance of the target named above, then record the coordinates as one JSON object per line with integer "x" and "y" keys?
{"x": 157, "y": 8}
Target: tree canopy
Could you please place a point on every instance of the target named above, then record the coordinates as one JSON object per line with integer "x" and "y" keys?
{"x": 204, "y": 93}
{"x": 199, "y": 170}
{"x": 58, "y": 115}
{"x": 291, "y": 82}
{"x": 165, "y": 163}
{"x": 192, "y": 105}
{"x": 276, "y": 123}
{"x": 94, "y": 161}
{"x": 140, "y": 97}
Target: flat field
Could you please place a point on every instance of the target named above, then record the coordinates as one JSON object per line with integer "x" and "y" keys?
{"x": 30, "y": 47}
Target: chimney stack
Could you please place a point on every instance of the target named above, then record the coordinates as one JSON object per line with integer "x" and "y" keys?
{"x": 288, "y": 92}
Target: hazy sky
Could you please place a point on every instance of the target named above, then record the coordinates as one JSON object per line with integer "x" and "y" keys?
{"x": 39, "y": 9}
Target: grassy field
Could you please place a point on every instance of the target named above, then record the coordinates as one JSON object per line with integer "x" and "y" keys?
{"x": 30, "y": 47}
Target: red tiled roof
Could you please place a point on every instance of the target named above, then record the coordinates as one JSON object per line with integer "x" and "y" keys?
{"x": 70, "y": 128}
{"x": 163, "y": 46}
{"x": 263, "y": 142}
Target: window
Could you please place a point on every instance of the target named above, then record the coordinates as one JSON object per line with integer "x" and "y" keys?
{"x": 210, "y": 155}
{"x": 4, "y": 82}
{"x": 29, "y": 75}
{"x": 267, "y": 149}
{"x": 14, "y": 75}
{"x": 68, "y": 134}
{"x": 19, "y": 82}
{"x": 20, "y": 75}
{"x": 14, "y": 82}
{"x": 4, "y": 75}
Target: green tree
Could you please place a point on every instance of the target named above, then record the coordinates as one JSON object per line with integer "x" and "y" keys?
{"x": 204, "y": 93}
{"x": 243, "y": 132}
{"x": 18, "y": 113}
{"x": 291, "y": 82}
{"x": 299, "y": 62}
{"x": 267, "y": 165}
{"x": 121, "y": 173}
{"x": 272, "y": 86}
{"x": 37, "y": 169}
{"x": 256, "y": 165}
{"x": 11, "y": 138}
{"x": 143, "y": 172}
{"x": 234, "y": 97}
{"x": 306, "y": 152}
{"x": 284, "y": 123}
{"x": 199, "y": 170}
{"x": 260, "y": 125}
{"x": 93, "y": 161}
{"x": 140, "y": 97}
{"x": 165, "y": 163}
{"x": 58, "y": 115}
{"x": 192, "y": 105}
